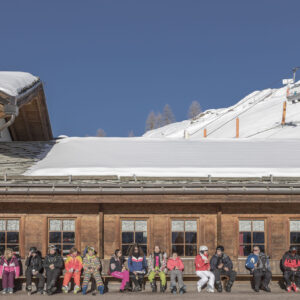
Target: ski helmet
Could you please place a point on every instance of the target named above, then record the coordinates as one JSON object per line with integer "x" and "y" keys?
{"x": 203, "y": 248}
{"x": 293, "y": 249}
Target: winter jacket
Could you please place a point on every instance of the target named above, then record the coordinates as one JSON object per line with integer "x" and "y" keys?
{"x": 11, "y": 265}
{"x": 116, "y": 264}
{"x": 53, "y": 259}
{"x": 289, "y": 261}
{"x": 162, "y": 262}
{"x": 202, "y": 263}
{"x": 137, "y": 264}
{"x": 34, "y": 263}
{"x": 91, "y": 263}
{"x": 175, "y": 263}
{"x": 223, "y": 259}
{"x": 73, "y": 263}
{"x": 261, "y": 260}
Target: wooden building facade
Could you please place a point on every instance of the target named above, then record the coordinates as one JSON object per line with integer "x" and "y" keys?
{"x": 178, "y": 214}
{"x": 181, "y": 222}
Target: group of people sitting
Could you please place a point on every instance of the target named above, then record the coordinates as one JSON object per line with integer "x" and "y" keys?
{"x": 132, "y": 275}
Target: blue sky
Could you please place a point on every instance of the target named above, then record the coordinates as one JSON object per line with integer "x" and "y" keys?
{"x": 107, "y": 64}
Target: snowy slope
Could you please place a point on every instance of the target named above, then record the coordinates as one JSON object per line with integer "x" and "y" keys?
{"x": 260, "y": 115}
{"x": 170, "y": 157}
{"x": 12, "y": 83}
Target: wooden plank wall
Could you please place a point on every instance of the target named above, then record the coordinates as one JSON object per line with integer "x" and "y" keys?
{"x": 98, "y": 225}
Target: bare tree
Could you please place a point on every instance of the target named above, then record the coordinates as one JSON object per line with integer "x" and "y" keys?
{"x": 168, "y": 116}
{"x": 194, "y": 110}
{"x": 151, "y": 121}
{"x": 101, "y": 133}
{"x": 131, "y": 133}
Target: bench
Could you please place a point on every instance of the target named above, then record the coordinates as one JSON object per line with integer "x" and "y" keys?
{"x": 189, "y": 273}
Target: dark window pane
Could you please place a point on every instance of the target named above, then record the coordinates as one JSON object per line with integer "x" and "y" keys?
{"x": 178, "y": 249}
{"x": 191, "y": 237}
{"x": 2, "y": 237}
{"x": 262, "y": 248}
{"x": 245, "y": 250}
{"x": 258, "y": 237}
{"x": 69, "y": 237}
{"x": 125, "y": 249}
{"x": 144, "y": 247}
{"x": 177, "y": 237}
{"x": 140, "y": 238}
{"x": 66, "y": 249}
{"x": 190, "y": 250}
{"x": 13, "y": 237}
{"x": 14, "y": 247}
{"x": 298, "y": 248}
{"x": 246, "y": 237}
{"x": 127, "y": 237}
{"x": 295, "y": 237}
{"x": 2, "y": 248}
{"x": 54, "y": 237}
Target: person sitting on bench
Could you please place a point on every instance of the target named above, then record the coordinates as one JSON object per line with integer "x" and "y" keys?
{"x": 137, "y": 265}
{"x": 34, "y": 266}
{"x": 291, "y": 269}
{"x": 221, "y": 264}
{"x": 158, "y": 265}
{"x": 259, "y": 265}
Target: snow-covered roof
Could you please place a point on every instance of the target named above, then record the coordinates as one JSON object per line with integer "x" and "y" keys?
{"x": 260, "y": 115}
{"x": 13, "y": 83}
{"x": 170, "y": 157}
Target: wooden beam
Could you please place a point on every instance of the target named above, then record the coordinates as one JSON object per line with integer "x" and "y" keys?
{"x": 219, "y": 225}
{"x": 101, "y": 231}
{"x": 26, "y": 124}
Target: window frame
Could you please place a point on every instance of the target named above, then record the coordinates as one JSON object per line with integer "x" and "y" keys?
{"x": 19, "y": 232}
{"x": 135, "y": 219}
{"x": 61, "y": 231}
{"x": 252, "y": 243}
{"x": 184, "y": 244}
{"x": 289, "y": 231}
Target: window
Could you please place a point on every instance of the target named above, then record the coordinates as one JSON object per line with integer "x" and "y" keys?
{"x": 295, "y": 234}
{"x": 62, "y": 234}
{"x": 134, "y": 232}
{"x": 251, "y": 233}
{"x": 9, "y": 235}
{"x": 184, "y": 237}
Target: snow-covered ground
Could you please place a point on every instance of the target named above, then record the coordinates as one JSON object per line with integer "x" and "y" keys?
{"x": 170, "y": 157}
{"x": 260, "y": 115}
{"x": 12, "y": 83}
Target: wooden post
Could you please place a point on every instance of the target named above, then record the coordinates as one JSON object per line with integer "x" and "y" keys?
{"x": 101, "y": 231}
{"x": 283, "y": 113}
{"x": 219, "y": 225}
{"x": 237, "y": 128}
{"x": 205, "y": 133}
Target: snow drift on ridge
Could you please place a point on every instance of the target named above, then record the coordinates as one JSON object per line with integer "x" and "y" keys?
{"x": 260, "y": 115}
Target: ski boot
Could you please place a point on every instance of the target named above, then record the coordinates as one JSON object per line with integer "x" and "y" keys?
{"x": 162, "y": 288}
{"x": 29, "y": 290}
{"x": 182, "y": 290}
{"x": 76, "y": 289}
{"x": 65, "y": 289}
{"x": 229, "y": 286}
{"x": 84, "y": 289}
{"x": 154, "y": 287}
{"x": 219, "y": 286}
{"x": 101, "y": 289}
{"x": 173, "y": 290}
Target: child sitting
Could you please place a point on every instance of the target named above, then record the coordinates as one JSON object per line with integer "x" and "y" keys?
{"x": 73, "y": 265}
{"x": 175, "y": 266}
